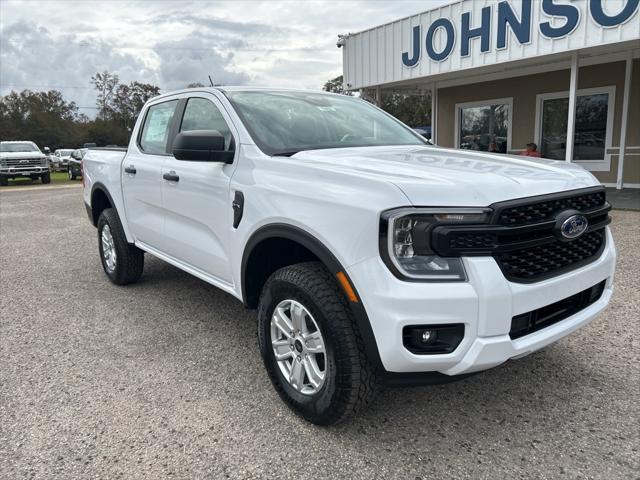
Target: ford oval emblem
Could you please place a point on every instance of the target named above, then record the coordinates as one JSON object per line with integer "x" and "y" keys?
{"x": 574, "y": 226}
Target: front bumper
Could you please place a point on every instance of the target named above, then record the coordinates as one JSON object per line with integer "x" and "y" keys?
{"x": 23, "y": 171}
{"x": 485, "y": 305}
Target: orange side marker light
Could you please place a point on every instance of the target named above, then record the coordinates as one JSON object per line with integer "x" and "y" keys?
{"x": 346, "y": 286}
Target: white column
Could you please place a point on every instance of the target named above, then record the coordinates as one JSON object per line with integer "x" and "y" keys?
{"x": 571, "y": 115}
{"x": 434, "y": 112}
{"x": 625, "y": 118}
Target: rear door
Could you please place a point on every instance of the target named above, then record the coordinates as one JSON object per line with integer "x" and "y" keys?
{"x": 142, "y": 174}
{"x": 196, "y": 197}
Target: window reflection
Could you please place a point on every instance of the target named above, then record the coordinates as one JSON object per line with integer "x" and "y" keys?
{"x": 590, "y": 128}
{"x": 484, "y": 128}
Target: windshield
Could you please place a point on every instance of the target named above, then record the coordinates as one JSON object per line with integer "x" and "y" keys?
{"x": 284, "y": 123}
{"x": 18, "y": 147}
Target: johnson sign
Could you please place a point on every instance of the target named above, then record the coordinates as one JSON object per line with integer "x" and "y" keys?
{"x": 501, "y": 21}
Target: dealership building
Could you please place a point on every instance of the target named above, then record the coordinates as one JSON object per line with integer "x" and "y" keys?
{"x": 507, "y": 73}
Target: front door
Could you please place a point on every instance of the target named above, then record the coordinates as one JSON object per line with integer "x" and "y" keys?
{"x": 142, "y": 175}
{"x": 196, "y": 198}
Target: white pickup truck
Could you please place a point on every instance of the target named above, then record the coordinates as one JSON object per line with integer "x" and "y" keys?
{"x": 372, "y": 257}
{"x": 22, "y": 159}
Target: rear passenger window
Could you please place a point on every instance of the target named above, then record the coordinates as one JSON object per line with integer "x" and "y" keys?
{"x": 155, "y": 130}
{"x": 202, "y": 114}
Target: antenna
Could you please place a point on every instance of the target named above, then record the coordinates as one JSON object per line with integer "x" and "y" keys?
{"x": 210, "y": 81}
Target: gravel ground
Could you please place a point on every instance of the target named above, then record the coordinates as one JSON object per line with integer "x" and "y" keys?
{"x": 163, "y": 379}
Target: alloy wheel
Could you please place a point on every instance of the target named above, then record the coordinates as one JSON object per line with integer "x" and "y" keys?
{"x": 108, "y": 249}
{"x": 298, "y": 347}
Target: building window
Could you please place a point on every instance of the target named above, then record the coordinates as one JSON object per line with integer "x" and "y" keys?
{"x": 593, "y": 126}
{"x": 484, "y": 126}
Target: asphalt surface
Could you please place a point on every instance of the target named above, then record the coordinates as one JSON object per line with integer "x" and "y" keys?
{"x": 163, "y": 379}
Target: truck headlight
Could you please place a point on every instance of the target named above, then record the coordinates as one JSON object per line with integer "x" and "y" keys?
{"x": 405, "y": 244}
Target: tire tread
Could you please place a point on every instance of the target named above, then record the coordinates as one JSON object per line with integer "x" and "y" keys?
{"x": 130, "y": 259}
{"x": 359, "y": 382}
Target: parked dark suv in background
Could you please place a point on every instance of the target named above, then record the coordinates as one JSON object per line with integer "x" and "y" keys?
{"x": 75, "y": 163}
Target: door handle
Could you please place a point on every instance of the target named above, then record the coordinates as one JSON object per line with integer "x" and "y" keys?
{"x": 171, "y": 177}
{"x": 130, "y": 170}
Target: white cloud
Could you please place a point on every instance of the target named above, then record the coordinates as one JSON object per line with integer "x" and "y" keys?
{"x": 60, "y": 44}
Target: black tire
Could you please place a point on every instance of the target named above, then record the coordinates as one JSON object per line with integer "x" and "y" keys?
{"x": 129, "y": 258}
{"x": 46, "y": 177}
{"x": 4, "y": 181}
{"x": 350, "y": 379}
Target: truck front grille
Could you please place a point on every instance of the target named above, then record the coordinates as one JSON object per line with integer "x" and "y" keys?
{"x": 545, "y": 210}
{"x": 523, "y": 236}
{"x": 23, "y": 162}
{"x": 531, "y": 263}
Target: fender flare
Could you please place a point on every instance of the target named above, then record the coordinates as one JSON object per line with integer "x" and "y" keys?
{"x": 315, "y": 246}
{"x": 102, "y": 188}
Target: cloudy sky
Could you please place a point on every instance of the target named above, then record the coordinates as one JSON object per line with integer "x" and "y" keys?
{"x": 61, "y": 44}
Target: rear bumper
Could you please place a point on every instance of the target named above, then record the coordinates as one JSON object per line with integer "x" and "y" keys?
{"x": 485, "y": 305}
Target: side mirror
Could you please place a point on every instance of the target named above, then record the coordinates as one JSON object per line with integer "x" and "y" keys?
{"x": 201, "y": 146}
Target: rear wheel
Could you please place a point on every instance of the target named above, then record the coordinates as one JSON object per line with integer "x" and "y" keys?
{"x": 46, "y": 177}
{"x": 122, "y": 262}
{"x": 4, "y": 181}
{"x": 311, "y": 345}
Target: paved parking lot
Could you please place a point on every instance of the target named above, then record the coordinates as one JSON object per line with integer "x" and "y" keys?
{"x": 163, "y": 379}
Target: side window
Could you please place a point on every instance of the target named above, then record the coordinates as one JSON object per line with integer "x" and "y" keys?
{"x": 155, "y": 130}
{"x": 202, "y": 114}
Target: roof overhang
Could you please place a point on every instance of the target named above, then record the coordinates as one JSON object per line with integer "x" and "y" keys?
{"x": 463, "y": 40}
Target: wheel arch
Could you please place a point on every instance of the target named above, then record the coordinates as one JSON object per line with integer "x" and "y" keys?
{"x": 101, "y": 199}
{"x": 251, "y": 287}
{"x": 288, "y": 234}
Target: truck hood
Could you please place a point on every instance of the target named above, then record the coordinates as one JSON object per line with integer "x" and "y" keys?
{"x": 33, "y": 154}
{"x": 434, "y": 176}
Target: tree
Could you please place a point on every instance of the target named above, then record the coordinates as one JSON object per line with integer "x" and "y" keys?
{"x": 128, "y": 100}
{"x": 105, "y": 84}
{"x": 336, "y": 85}
{"x": 412, "y": 108}
{"x": 43, "y": 117}
{"x": 118, "y": 107}
{"x": 195, "y": 85}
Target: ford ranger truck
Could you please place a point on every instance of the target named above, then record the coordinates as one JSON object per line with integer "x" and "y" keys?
{"x": 370, "y": 256}
{"x": 22, "y": 159}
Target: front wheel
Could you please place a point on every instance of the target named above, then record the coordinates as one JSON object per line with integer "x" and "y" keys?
{"x": 122, "y": 262}
{"x": 311, "y": 345}
{"x": 45, "y": 177}
{"x": 4, "y": 181}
